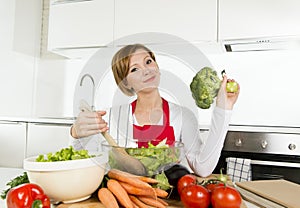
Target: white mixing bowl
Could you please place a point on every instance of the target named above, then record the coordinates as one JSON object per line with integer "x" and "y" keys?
{"x": 67, "y": 181}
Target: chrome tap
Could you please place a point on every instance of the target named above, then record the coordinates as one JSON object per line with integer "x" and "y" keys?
{"x": 93, "y": 82}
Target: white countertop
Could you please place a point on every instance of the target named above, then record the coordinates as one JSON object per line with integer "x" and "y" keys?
{"x": 6, "y": 174}
{"x": 50, "y": 120}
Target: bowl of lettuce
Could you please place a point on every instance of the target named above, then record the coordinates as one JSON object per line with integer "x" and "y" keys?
{"x": 67, "y": 175}
{"x": 153, "y": 157}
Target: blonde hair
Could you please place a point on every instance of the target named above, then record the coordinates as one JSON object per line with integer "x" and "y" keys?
{"x": 120, "y": 65}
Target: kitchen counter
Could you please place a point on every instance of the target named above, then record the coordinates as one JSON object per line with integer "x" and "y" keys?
{"x": 6, "y": 174}
{"x": 47, "y": 120}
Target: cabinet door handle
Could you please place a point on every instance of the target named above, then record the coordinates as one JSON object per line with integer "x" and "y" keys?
{"x": 274, "y": 163}
{"x": 51, "y": 124}
{"x": 10, "y": 122}
{"x": 68, "y": 1}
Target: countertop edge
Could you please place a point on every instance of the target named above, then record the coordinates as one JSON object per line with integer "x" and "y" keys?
{"x": 43, "y": 120}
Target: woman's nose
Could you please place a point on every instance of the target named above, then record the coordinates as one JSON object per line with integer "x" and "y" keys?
{"x": 146, "y": 71}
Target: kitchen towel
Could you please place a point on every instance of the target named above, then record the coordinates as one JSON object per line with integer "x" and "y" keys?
{"x": 239, "y": 169}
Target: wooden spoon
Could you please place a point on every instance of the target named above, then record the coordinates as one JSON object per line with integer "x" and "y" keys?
{"x": 123, "y": 159}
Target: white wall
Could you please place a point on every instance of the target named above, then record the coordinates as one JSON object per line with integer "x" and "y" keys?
{"x": 269, "y": 83}
{"x": 56, "y": 83}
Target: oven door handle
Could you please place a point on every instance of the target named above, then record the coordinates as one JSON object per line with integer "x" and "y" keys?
{"x": 272, "y": 163}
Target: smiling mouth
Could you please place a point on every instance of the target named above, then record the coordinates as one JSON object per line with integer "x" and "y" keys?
{"x": 149, "y": 80}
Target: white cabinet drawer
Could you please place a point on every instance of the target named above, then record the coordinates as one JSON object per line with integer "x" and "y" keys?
{"x": 12, "y": 144}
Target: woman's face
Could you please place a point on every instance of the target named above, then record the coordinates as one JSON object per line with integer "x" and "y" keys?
{"x": 143, "y": 73}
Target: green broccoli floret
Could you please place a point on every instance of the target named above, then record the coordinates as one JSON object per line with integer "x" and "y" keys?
{"x": 204, "y": 87}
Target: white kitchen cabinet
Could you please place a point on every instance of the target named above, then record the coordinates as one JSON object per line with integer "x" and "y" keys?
{"x": 258, "y": 18}
{"x": 43, "y": 138}
{"x": 19, "y": 40}
{"x": 80, "y": 24}
{"x": 12, "y": 143}
{"x": 192, "y": 20}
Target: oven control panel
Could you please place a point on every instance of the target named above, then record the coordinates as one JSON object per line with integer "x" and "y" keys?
{"x": 262, "y": 142}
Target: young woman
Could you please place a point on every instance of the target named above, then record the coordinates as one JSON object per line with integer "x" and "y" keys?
{"x": 151, "y": 116}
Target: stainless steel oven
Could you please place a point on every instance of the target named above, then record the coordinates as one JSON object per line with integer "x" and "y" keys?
{"x": 272, "y": 155}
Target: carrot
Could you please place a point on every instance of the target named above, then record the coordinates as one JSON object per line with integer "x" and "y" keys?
{"x": 142, "y": 178}
{"x": 107, "y": 198}
{"x": 130, "y": 189}
{"x": 115, "y": 187}
{"x": 147, "y": 179}
{"x": 121, "y": 176}
{"x": 162, "y": 201}
{"x": 151, "y": 201}
{"x": 135, "y": 205}
{"x": 138, "y": 202}
{"x": 160, "y": 193}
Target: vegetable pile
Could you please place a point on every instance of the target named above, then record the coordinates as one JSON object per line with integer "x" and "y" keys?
{"x": 64, "y": 154}
{"x": 212, "y": 192}
{"x": 205, "y": 86}
{"x": 123, "y": 189}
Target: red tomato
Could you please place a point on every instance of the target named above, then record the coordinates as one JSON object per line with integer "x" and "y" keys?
{"x": 225, "y": 197}
{"x": 195, "y": 196}
{"x": 185, "y": 181}
{"x": 212, "y": 186}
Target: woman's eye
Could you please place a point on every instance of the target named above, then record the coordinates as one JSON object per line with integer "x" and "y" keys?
{"x": 149, "y": 61}
{"x": 133, "y": 70}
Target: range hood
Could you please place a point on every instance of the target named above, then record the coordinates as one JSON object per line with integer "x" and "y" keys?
{"x": 261, "y": 44}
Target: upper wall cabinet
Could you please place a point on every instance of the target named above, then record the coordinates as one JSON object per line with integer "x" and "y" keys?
{"x": 258, "y": 18}
{"x": 80, "y": 24}
{"x": 192, "y": 20}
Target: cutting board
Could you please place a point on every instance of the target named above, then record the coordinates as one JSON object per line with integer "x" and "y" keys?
{"x": 89, "y": 203}
{"x": 281, "y": 191}
{"x": 94, "y": 203}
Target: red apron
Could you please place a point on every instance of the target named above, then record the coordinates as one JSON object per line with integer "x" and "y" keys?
{"x": 154, "y": 133}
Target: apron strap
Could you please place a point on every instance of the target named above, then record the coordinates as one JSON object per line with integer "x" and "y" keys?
{"x": 166, "y": 112}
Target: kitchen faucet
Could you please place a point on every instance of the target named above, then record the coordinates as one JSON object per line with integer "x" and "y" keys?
{"x": 93, "y": 92}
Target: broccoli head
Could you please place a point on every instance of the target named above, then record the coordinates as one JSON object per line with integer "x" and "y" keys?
{"x": 204, "y": 87}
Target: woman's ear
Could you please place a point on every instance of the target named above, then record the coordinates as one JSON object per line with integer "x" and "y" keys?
{"x": 125, "y": 83}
